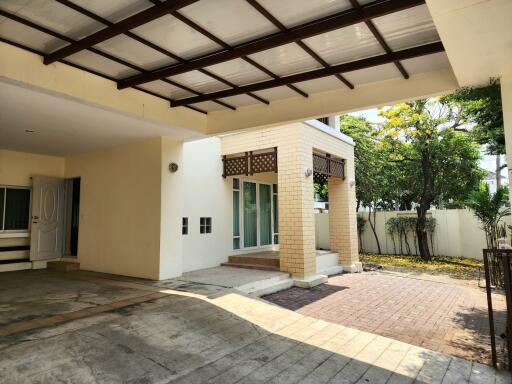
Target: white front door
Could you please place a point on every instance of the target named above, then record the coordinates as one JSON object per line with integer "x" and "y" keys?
{"x": 47, "y": 218}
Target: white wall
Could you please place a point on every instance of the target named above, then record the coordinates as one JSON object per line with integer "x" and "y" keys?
{"x": 206, "y": 194}
{"x": 458, "y": 233}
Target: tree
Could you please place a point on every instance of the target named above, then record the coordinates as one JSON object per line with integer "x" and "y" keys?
{"x": 369, "y": 164}
{"x": 438, "y": 162}
{"x": 482, "y": 108}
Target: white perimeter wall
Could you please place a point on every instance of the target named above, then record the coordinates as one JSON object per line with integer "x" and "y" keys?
{"x": 457, "y": 233}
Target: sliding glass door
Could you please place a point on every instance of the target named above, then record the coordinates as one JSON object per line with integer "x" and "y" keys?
{"x": 250, "y": 215}
{"x": 265, "y": 215}
{"x": 254, "y": 214}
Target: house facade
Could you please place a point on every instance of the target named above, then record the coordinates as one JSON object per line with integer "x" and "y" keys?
{"x": 100, "y": 100}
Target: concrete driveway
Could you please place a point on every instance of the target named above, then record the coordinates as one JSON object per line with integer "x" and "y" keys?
{"x": 105, "y": 329}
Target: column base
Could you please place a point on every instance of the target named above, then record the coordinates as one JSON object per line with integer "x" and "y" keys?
{"x": 310, "y": 281}
{"x": 353, "y": 268}
{"x": 332, "y": 270}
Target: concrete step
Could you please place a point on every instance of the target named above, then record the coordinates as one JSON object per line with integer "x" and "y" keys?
{"x": 261, "y": 267}
{"x": 243, "y": 259}
{"x": 63, "y": 266}
{"x": 267, "y": 286}
{"x": 15, "y": 266}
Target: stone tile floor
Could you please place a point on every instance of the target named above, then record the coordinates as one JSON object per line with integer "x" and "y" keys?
{"x": 446, "y": 318}
{"x": 205, "y": 334}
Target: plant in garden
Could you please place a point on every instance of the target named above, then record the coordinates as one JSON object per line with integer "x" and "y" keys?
{"x": 438, "y": 163}
{"x": 490, "y": 208}
{"x": 361, "y": 224}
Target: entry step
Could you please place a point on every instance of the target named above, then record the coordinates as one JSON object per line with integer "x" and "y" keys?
{"x": 63, "y": 266}
{"x": 261, "y": 267}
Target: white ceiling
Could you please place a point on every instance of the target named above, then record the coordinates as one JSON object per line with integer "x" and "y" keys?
{"x": 66, "y": 126}
{"x": 477, "y": 36}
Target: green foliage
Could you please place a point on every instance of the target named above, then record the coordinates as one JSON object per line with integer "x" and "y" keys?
{"x": 490, "y": 209}
{"x": 420, "y": 134}
{"x": 482, "y": 107}
{"x": 402, "y": 228}
{"x": 321, "y": 190}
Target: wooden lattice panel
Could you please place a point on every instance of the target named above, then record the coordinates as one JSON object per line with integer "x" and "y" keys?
{"x": 320, "y": 164}
{"x": 337, "y": 168}
{"x": 264, "y": 162}
{"x": 235, "y": 166}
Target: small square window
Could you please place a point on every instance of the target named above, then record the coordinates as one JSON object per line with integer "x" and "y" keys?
{"x": 236, "y": 183}
{"x": 205, "y": 225}
{"x": 184, "y": 226}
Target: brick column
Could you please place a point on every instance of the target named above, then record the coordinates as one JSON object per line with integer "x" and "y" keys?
{"x": 296, "y": 216}
{"x": 343, "y": 220}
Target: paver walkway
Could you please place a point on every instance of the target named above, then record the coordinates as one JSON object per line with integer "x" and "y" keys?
{"x": 203, "y": 334}
{"x": 442, "y": 317}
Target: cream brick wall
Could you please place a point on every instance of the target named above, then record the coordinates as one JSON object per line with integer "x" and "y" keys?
{"x": 295, "y": 143}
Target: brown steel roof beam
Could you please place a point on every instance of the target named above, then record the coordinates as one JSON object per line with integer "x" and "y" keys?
{"x": 119, "y": 28}
{"x": 300, "y": 43}
{"x": 369, "y": 62}
{"x": 40, "y": 28}
{"x": 141, "y": 40}
{"x": 316, "y": 27}
{"x": 373, "y": 29}
{"x": 225, "y": 45}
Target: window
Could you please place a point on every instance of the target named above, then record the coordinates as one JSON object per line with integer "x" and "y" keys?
{"x": 14, "y": 209}
{"x": 205, "y": 225}
{"x": 184, "y": 226}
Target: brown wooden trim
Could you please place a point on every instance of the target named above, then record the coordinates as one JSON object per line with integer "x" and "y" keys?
{"x": 369, "y": 62}
{"x": 342, "y": 19}
{"x": 131, "y": 22}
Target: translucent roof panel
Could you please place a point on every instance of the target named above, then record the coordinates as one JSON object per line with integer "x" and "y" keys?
{"x": 54, "y": 16}
{"x": 345, "y": 44}
{"x": 134, "y": 52}
{"x": 427, "y": 63}
{"x": 29, "y": 37}
{"x": 240, "y": 100}
{"x": 277, "y": 93}
{"x": 175, "y": 36}
{"x": 286, "y": 60}
{"x": 114, "y": 10}
{"x": 199, "y": 82}
{"x": 100, "y": 64}
{"x": 209, "y": 106}
{"x": 370, "y": 75}
{"x": 323, "y": 84}
{"x": 165, "y": 89}
{"x": 233, "y": 21}
{"x": 294, "y": 12}
{"x": 239, "y": 72}
{"x": 407, "y": 28}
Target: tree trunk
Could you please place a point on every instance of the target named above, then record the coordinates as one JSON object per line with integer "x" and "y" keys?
{"x": 372, "y": 226}
{"x": 424, "y": 206}
{"x": 498, "y": 171}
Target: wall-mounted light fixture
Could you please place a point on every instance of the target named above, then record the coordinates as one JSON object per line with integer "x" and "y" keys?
{"x": 173, "y": 167}
{"x": 308, "y": 172}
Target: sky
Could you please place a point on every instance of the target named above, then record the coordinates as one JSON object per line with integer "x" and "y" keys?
{"x": 487, "y": 162}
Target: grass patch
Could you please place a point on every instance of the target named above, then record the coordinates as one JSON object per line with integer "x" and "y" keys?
{"x": 457, "y": 267}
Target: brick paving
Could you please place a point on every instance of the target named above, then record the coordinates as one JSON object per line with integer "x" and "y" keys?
{"x": 446, "y": 318}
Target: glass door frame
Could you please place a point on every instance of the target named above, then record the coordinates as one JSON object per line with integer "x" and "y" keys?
{"x": 241, "y": 211}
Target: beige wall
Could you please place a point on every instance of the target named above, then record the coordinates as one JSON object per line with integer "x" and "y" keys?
{"x": 120, "y": 209}
{"x": 16, "y": 169}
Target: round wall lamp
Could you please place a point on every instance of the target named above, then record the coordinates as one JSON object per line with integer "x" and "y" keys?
{"x": 173, "y": 167}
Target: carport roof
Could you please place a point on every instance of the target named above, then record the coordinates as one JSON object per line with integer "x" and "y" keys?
{"x": 209, "y": 55}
